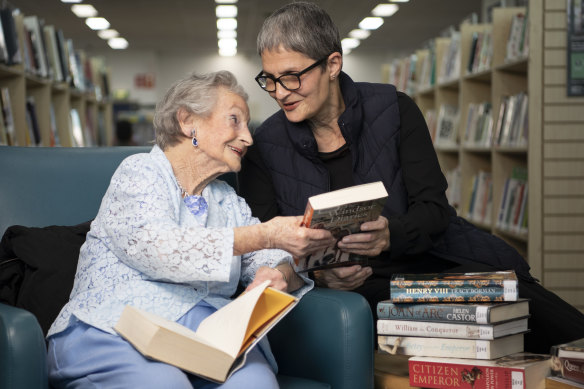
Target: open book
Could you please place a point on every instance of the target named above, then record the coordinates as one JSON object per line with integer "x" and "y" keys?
{"x": 341, "y": 212}
{"x": 220, "y": 345}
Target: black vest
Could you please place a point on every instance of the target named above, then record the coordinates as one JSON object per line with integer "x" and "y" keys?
{"x": 371, "y": 128}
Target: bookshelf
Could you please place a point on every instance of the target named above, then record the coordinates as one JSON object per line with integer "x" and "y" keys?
{"x": 49, "y": 95}
{"x": 467, "y": 98}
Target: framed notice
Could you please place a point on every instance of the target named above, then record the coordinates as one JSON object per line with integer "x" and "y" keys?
{"x": 575, "y": 48}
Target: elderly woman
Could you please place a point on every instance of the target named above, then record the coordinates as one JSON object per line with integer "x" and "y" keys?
{"x": 331, "y": 133}
{"x": 171, "y": 239}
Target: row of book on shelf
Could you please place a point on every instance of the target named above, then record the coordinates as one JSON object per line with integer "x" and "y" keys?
{"x": 510, "y": 130}
{"x": 93, "y": 133}
{"x": 402, "y": 72}
{"x": 461, "y": 330}
{"x": 48, "y": 54}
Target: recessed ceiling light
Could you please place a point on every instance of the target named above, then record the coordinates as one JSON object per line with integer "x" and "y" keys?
{"x": 226, "y": 24}
{"x": 227, "y": 52}
{"x": 118, "y": 43}
{"x": 385, "y": 10}
{"x": 226, "y": 34}
{"x": 371, "y": 23}
{"x": 359, "y": 34}
{"x": 350, "y": 43}
{"x": 107, "y": 34}
{"x": 97, "y": 23}
{"x": 84, "y": 10}
{"x": 226, "y": 11}
{"x": 227, "y": 43}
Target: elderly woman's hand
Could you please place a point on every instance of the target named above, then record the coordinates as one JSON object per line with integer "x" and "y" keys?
{"x": 286, "y": 233}
{"x": 371, "y": 241}
{"x": 342, "y": 278}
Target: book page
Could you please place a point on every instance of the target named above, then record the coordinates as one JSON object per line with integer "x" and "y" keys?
{"x": 269, "y": 305}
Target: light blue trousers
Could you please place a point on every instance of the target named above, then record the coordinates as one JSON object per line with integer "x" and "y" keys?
{"x": 86, "y": 357}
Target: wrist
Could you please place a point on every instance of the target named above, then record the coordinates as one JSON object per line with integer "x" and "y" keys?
{"x": 283, "y": 274}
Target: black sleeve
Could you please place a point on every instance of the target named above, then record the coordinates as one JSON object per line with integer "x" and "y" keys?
{"x": 255, "y": 186}
{"x": 428, "y": 209}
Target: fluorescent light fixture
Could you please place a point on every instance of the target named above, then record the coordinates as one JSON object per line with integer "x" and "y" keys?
{"x": 107, "y": 34}
{"x": 226, "y": 11}
{"x": 385, "y": 10}
{"x": 226, "y": 34}
{"x": 359, "y": 34}
{"x": 225, "y": 1}
{"x": 227, "y": 43}
{"x": 97, "y": 23}
{"x": 226, "y": 24}
{"x": 371, "y": 23}
{"x": 84, "y": 10}
{"x": 118, "y": 43}
{"x": 228, "y": 52}
{"x": 350, "y": 43}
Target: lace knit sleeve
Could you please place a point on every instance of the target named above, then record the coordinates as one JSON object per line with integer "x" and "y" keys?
{"x": 139, "y": 220}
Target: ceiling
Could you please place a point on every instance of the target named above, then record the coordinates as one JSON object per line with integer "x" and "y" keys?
{"x": 189, "y": 25}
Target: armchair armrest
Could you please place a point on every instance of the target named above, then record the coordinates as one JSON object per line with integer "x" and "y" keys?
{"x": 328, "y": 337}
{"x": 23, "y": 355}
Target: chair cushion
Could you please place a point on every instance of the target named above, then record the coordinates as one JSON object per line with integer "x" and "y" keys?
{"x": 40, "y": 264}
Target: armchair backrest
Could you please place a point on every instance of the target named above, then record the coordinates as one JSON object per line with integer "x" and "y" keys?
{"x": 41, "y": 186}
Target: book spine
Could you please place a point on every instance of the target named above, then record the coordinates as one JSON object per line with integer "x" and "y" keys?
{"x": 468, "y": 314}
{"x": 450, "y": 375}
{"x": 457, "y": 294}
{"x": 434, "y": 329}
{"x": 572, "y": 369}
{"x": 436, "y": 347}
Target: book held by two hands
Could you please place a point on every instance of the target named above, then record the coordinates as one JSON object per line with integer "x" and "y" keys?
{"x": 221, "y": 342}
{"x": 341, "y": 212}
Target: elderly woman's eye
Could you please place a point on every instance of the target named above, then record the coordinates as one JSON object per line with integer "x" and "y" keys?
{"x": 234, "y": 118}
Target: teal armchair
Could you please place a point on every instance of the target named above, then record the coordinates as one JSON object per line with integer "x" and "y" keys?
{"x": 325, "y": 342}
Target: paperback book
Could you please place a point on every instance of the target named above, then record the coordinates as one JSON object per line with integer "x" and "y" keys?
{"x": 515, "y": 371}
{"x": 450, "y": 330}
{"x": 342, "y": 212}
{"x": 454, "y": 287}
{"x": 219, "y": 346}
{"x": 451, "y": 348}
{"x": 479, "y": 313}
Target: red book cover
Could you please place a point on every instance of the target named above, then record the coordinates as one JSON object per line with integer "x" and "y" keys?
{"x": 516, "y": 371}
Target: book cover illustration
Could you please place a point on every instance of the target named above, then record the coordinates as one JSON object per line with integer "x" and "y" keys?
{"x": 341, "y": 212}
{"x": 520, "y": 370}
{"x": 479, "y": 313}
{"x": 454, "y": 287}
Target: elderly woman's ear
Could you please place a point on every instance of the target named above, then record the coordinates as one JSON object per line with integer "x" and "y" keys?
{"x": 187, "y": 121}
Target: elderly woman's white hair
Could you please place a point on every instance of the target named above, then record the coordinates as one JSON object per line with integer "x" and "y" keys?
{"x": 196, "y": 94}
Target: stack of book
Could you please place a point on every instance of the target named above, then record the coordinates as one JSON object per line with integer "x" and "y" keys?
{"x": 460, "y": 329}
{"x": 567, "y": 365}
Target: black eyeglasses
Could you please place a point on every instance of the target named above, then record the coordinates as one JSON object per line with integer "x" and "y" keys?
{"x": 290, "y": 81}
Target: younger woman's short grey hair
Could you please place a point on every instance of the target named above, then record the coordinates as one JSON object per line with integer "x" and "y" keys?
{"x": 303, "y": 27}
{"x": 196, "y": 94}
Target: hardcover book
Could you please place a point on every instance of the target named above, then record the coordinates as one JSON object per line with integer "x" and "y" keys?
{"x": 220, "y": 345}
{"x": 516, "y": 371}
{"x": 574, "y": 349}
{"x": 450, "y": 330}
{"x": 454, "y": 287}
{"x": 342, "y": 212}
{"x": 451, "y": 348}
{"x": 554, "y": 382}
{"x": 568, "y": 360}
{"x": 479, "y": 313}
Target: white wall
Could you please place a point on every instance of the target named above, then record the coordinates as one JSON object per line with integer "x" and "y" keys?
{"x": 169, "y": 67}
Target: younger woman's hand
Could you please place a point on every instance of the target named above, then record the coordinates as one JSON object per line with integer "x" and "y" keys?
{"x": 371, "y": 241}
